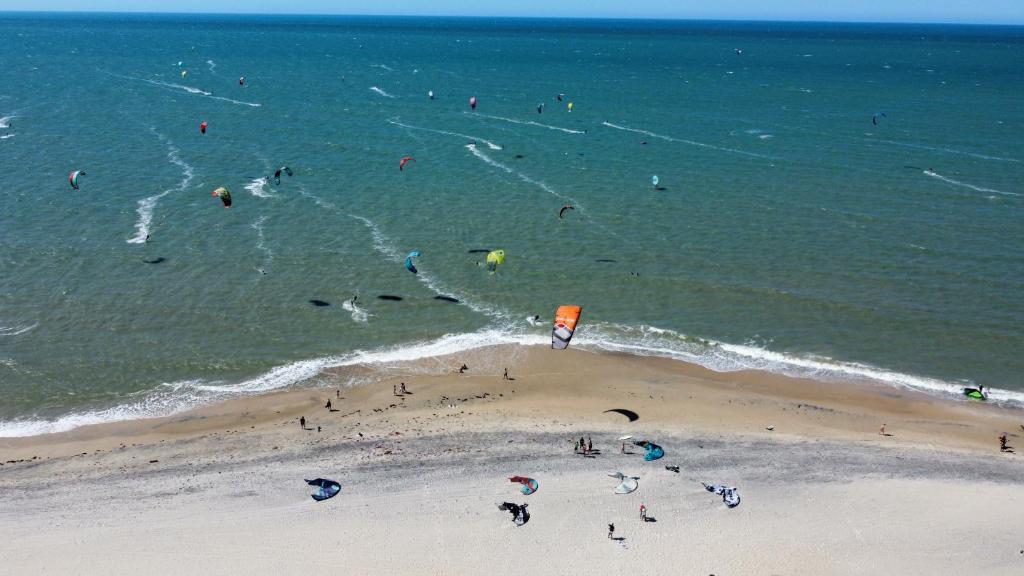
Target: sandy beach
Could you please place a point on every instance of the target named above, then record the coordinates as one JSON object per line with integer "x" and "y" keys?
{"x": 220, "y": 489}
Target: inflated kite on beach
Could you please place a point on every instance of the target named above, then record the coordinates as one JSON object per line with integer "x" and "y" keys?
{"x": 627, "y": 484}
{"x": 325, "y": 488}
{"x": 730, "y": 496}
{"x": 653, "y": 451}
{"x": 529, "y": 485}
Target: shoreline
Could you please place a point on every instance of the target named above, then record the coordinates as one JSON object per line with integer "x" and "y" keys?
{"x": 299, "y": 375}
{"x": 765, "y": 396}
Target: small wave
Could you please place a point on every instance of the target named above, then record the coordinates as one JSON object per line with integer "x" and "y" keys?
{"x": 968, "y": 185}
{"x": 258, "y": 188}
{"x": 381, "y": 92}
{"x": 683, "y": 141}
{"x": 6, "y": 136}
{"x": 490, "y": 144}
{"x": 487, "y": 159}
{"x": 358, "y": 314}
{"x": 382, "y": 67}
{"x": 946, "y": 150}
{"x": 148, "y": 205}
{"x": 16, "y": 330}
{"x": 526, "y": 123}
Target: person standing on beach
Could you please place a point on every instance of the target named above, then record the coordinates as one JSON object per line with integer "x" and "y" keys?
{"x": 576, "y": 447}
{"x": 328, "y": 405}
{"x": 505, "y": 376}
{"x": 881, "y": 431}
{"x": 302, "y": 422}
{"x": 611, "y": 530}
{"x": 463, "y": 368}
{"x": 643, "y": 512}
{"x": 590, "y": 445}
{"x": 401, "y": 388}
{"x": 1002, "y": 442}
{"x": 337, "y": 393}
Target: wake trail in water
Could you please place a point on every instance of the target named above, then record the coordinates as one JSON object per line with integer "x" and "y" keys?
{"x": 381, "y": 92}
{"x": 148, "y": 205}
{"x": 526, "y": 123}
{"x": 488, "y": 160}
{"x": 684, "y": 141}
{"x": 5, "y": 121}
{"x": 968, "y": 185}
{"x": 382, "y": 67}
{"x": 358, "y": 314}
{"x": 212, "y": 65}
{"x": 181, "y": 88}
{"x": 490, "y": 144}
{"x": 258, "y": 187}
{"x": 16, "y": 330}
{"x": 938, "y": 149}
{"x": 261, "y": 243}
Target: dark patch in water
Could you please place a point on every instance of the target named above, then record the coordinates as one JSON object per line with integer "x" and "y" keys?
{"x": 519, "y": 156}
{"x": 156, "y": 260}
{"x": 447, "y": 299}
{"x": 478, "y": 251}
{"x": 390, "y": 297}
{"x": 605, "y": 260}
{"x": 319, "y": 303}
{"x": 660, "y": 188}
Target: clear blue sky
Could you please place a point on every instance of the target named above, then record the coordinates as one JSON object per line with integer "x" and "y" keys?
{"x": 965, "y": 11}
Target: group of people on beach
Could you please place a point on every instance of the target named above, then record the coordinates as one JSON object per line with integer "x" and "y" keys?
{"x": 584, "y": 447}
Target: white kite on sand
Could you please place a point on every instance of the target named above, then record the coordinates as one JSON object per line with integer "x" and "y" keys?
{"x": 627, "y": 484}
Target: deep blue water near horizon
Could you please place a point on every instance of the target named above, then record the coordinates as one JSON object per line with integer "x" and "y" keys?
{"x": 791, "y": 233}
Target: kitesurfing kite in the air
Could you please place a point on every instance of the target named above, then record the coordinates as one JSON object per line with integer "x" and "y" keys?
{"x": 875, "y": 117}
{"x": 564, "y": 208}
{"x": 566, "y": 318}
{"x": 494, "y": 259}
{"x": 529, "y": 485}
{"x": 74, "y": 176}
{"x": 408, "y": 262}
{"x": 325, "y": 488}
{"x": 277, "y": 173}
{"x": 224, "y": 195}
{"x": 403, "y": 161}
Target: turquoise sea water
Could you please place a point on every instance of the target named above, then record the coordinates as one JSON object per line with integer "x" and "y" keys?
{"x": 791, "y": 233}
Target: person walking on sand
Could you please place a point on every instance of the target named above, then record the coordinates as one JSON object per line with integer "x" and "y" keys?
{"x": 328, "y": 405}
{"x": 881, "y": 431}
{"x": 1002, "y": 442}
{"x": 394, "y": 389}
{"x": 505, "y": 376}
{"x": 337, "y": 393}
{"x": 590, "y": 445}
{"x": 302, "y": 422}
{"x": 643, "y": 512}
{"x": 401, "y": 388}
{"x": 611, "y": 530}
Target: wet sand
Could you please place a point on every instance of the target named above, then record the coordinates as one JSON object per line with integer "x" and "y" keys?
{"x": 220, "y": 488}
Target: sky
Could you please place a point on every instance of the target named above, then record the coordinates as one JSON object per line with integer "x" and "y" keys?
{"x": 952, "y": 11}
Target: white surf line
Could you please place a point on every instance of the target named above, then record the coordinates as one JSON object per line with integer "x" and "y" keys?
{"x": 526, "y": 123}
{"x": 487, "y": 159}
{"x": 490, "y": 144}
{"x": 381, "y": 92}
{"x": 148, "y": 205}
{"x": 382, "y": 245}
{"x": 684, "y": 141}
{"x": 968, "y": 185}
{"x": 937, "y": 149}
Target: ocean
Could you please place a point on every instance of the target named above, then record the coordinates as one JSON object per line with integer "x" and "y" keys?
{"x": 838, "y": 201}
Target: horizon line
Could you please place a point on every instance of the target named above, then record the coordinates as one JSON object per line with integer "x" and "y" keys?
{"x": 510, "y": 17}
